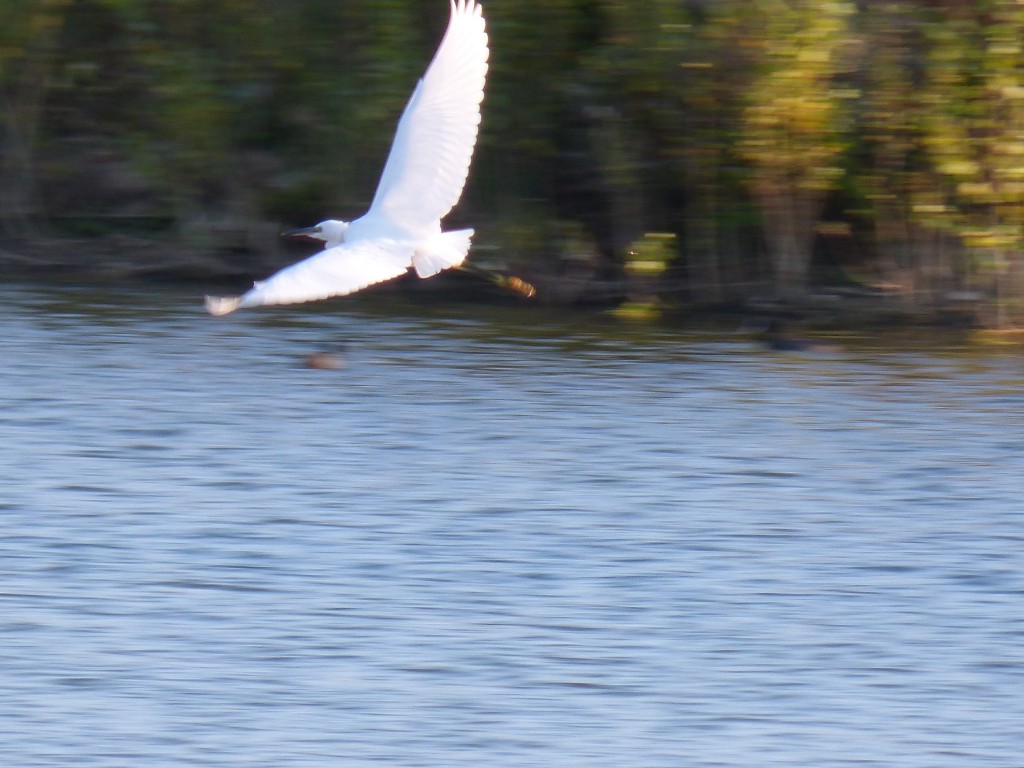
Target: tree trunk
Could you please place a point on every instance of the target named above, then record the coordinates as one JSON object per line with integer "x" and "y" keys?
{"x": 790, "y": 217}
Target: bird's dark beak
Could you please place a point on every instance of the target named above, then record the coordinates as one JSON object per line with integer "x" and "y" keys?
{"x": 306, "y": 233}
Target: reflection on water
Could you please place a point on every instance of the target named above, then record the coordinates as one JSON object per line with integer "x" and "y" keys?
{"x": 498, "y": 537}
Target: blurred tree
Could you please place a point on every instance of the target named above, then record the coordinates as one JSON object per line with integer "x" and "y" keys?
{"x": 670, "y": 66}
{"x": 604, "y": 120}
{"x": 29, "y": 33}
{"x": 910, "y": 217}
{"x": 796, "y": 128}
{"x": 714, "y": 74}
{"x": 976, "y": 136}
{"x": 213, "y": 138}
{"x": 538, "y": 162}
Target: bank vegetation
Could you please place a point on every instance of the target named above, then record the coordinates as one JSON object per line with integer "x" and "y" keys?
{"x": 707, "y": 151}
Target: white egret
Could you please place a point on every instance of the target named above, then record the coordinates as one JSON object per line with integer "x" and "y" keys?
{"x": 423, "y": 179}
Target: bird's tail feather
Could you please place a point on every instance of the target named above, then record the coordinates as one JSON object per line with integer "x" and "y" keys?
{"x": 443, "y": 251}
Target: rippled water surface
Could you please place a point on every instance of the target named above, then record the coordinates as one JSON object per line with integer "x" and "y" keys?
{"x": 499, "y": 537}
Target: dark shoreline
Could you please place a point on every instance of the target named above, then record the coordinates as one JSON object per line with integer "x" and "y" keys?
{"x": 93, "y": 261}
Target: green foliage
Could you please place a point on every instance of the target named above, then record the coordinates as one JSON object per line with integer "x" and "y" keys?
{"x": 975, "y": 134}
{"x": 795, "y": 127}
{"x": 29, "y": 32}
{"x": 608, "y": 117}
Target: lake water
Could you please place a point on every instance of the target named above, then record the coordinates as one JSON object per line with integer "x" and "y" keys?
{"x": 499, "y": 537}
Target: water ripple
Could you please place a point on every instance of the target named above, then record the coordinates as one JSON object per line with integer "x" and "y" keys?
{"x": 498, "y": 538}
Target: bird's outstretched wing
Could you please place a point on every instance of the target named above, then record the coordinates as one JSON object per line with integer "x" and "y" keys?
{"x": 429, "y": 160}
{"x": 337, "y": 271}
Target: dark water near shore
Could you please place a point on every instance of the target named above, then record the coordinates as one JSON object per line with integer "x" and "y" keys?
{"x": 499, "y": 537}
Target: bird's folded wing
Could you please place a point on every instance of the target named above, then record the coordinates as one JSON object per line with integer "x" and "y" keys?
{"x": 337, "y": 271}
{"x": 429, "y": 160}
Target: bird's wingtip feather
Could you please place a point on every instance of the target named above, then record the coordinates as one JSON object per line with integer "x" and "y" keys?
{"x": 222, "y": 305}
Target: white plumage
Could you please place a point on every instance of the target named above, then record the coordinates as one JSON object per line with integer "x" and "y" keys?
{"x": 422, "y": 181}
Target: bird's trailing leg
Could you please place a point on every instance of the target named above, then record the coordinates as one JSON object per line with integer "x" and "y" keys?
{"x": 509, "y": 282}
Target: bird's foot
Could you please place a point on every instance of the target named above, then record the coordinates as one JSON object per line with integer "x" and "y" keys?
{"x": 519, "y": 285}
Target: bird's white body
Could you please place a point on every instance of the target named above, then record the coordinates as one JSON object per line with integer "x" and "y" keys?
{"x": 422, "y": 181}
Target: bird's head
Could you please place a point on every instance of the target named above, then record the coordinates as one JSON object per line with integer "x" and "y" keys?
{"x": 330, "y": 232}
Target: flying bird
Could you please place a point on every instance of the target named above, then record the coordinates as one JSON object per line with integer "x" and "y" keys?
{"x": 423, "y": 179}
